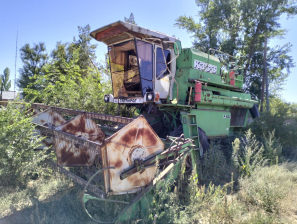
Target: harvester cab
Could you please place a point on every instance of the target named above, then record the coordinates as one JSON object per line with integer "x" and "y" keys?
{"x": 142, "y": 63}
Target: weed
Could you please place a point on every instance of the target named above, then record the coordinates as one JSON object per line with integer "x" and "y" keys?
{"x": 213, "y": 164}
{"x": 247, "y": 153}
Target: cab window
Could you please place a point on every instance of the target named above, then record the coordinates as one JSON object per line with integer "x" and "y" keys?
{"x": 161, "y": 70}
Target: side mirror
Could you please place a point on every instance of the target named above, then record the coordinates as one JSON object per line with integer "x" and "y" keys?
{"x": 177, "y": 47}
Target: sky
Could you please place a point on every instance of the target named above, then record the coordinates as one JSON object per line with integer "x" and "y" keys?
{"x": 58, "y": 20}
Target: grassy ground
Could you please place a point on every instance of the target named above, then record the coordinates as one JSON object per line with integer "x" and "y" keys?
{"x": 53, "y": 200}
{"x": 268, "y": 195}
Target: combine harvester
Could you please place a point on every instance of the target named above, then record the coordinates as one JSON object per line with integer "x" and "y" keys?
{"x": 183, "y": 98}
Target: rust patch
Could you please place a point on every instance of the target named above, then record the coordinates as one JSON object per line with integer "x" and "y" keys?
{"x": 136, "y": 181}
{"x": 149, "y": 138}
{"x": 112, "y": 31}
{"x": 147, "y": 143}
{"x": 129, "y": 137}
{"x": 118, "y": 164}
{"x": 69, "y": 128}
{"x": 140, "y": 134}
{"x": 82, "y": 127}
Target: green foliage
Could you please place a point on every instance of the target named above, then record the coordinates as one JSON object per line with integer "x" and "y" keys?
{"x": 239, "y": 27}
{"x": 4, "y": 79}
{"x": 213, "y": 165}
{"x": 63, "y": 86}
{"x": 267, "y": 186}
{"x": 64, "y": 52}
{"x": 280, "y": 64}
{"x": 207, "y": 205}
{"x": 71, "y": 79}
{"x": 281, "y": 121}
{"x": 272, "y": 149}
{"x": 33, "y": 61}
{"x": 261, "y": 197}
{"x": 5, "y": 83}
{"x": 18, "y": 140}
{"x": 278, "y": 107}
{"x": 194, "y": 204}
{"x": 247, "y": 153}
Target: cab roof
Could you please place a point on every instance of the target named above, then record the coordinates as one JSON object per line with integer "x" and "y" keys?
{"x": 121, "y": 31}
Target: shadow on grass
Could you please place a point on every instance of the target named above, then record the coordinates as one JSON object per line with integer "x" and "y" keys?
{"x": 63, "y": 207}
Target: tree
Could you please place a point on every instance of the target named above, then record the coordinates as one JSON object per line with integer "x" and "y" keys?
{"x": 33, "y": 60}
{"x": 87, "y": 57}
{"x": 130, "y": 19}
{"x": 86, "y": 49}
{"x": 5, "y": 83}
{"x": 239, "y": 27}
{"x": 64, "y": 86}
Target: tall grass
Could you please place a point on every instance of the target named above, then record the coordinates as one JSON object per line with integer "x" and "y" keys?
{"x": 262, "y": 192}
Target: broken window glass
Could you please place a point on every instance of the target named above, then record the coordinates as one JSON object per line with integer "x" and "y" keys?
{"x": 124, "y": 70}
{"x": 160, "y": 63}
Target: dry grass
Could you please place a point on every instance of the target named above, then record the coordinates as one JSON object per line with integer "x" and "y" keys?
{"x": 53, "y": 200}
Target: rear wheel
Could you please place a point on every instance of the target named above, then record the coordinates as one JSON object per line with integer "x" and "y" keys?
{"x": 203, "y": 140}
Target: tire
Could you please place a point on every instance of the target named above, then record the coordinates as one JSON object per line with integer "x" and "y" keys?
{"x": 203, "y": 140}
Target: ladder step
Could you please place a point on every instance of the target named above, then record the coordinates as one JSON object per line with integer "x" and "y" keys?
{"x": 192, "y": 124}
{"x": 194, "y": 136}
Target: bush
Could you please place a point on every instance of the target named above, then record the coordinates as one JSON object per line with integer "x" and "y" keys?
{"x": 282, "y": 121}
{"x": 18, "y": 140}
{"x": 247, "y": 153}
{"x": 272, "y": 149}
{"x": 62, "y": 85}
{"x": 213, "y": 165}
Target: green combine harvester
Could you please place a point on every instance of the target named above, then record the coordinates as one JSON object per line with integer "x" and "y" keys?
{"x": 177, "y": 90}
{"x": 184, "y": 98}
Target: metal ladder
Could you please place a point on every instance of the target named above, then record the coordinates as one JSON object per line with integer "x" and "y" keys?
{"x": 193, "y": 130}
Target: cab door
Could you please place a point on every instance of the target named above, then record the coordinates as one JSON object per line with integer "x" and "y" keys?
{"x": 161, "y": 74}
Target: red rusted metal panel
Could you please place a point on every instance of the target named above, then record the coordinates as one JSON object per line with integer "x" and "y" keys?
{"x": 71, "y": 154}
{"x": 133, "y": 143}
{"x": 118, "y": 119}
{"x": 112, "y": 31}
{"x": 50, "y": 119}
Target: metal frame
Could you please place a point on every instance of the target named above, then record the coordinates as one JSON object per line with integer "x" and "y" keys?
{"x": 179, "y": 151}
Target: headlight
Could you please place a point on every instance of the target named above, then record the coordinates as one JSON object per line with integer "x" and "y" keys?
{"x": 150, "y": 96}
{"x": 106, "y": 98}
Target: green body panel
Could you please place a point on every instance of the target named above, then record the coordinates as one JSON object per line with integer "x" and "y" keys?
{"x": 141, "y": 207}
{"x": 215, "y": 123}
{"x": 183, "y": 76}
{"x": 186, "y": 63}
{"x": 187, "y": 57}
{"x": 190, "y": 127}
